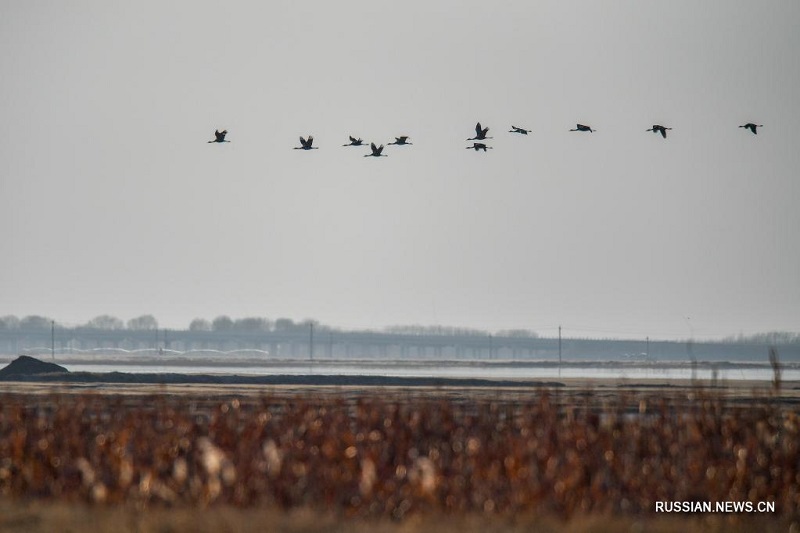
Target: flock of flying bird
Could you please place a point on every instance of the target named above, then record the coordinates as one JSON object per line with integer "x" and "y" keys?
{"x": 480, "y": 135}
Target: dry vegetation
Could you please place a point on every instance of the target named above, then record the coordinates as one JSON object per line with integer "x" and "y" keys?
{"x": 393, "y": 457}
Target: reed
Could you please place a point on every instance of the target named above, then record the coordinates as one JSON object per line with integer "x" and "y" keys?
{"x": 392, "y": 456}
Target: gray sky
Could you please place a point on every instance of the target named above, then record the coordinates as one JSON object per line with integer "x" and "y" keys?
{"x": 111, "y": 201}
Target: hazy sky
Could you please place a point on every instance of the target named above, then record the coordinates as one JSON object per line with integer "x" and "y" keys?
{"x": 111, "y": 201}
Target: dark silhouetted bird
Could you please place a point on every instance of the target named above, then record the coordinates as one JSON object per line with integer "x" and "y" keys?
{"x": 376, "y": 151}
{"x": 479, "y": 146}
{"x": 220, "y": 136}
{"x": 401, "y": 140}
{"x": 752, "y": 127}
{"x": 306, "y": 144}
{"x": 515, "y": 129}
{"x": 480, "y": 133}
{"x": 354, "y": 142}
{"x": 659, "y": 129}
{"x": 581, "y": 127}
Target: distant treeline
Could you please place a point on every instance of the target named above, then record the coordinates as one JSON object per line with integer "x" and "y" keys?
{"x": 226, "y": 324}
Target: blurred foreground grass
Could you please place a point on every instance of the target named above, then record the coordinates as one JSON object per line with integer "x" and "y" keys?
{"x": 45, "y": 517}
{"x": 388, "y": 460}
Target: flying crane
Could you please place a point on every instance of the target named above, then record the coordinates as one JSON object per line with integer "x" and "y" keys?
{"x": 480, "y": 133}
{"x": 219, "y": 136}
{"x": 306, "y": 144}
{"x": 659, "y": 129}
{"x": 401, "y": 140}
{"x": 479, "y": 146}
{"x": 752, "y": 127}
{"x": 354, "y": 142}
{"x": 376, "y": 151}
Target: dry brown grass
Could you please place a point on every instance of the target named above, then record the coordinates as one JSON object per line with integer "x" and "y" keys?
{"x": 45, "y": 517}
{"x": 380, "y": 461}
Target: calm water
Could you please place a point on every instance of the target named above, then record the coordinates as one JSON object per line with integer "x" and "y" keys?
{"x": 445, "y": 371}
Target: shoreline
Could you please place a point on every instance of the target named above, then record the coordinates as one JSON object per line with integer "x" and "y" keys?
{"x": 248, "y": 362}
{"x": 191, "y": 385}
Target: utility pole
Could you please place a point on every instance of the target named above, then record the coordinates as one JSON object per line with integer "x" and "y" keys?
{"x": 690, "y": 350}
{"x": 490, "y": 346}
{"x": 647, "y": 350}
{"x": 53, "y": 340}
{"x": 559, "y": 351}
{"x": 311, "y": 340}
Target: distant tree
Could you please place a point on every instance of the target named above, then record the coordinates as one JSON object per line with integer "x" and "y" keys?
{"x": 773, "y": 337}
{"x": 319, "y": 327}
{"x": 413, "y": 329}
{"x": 222, "y": 323}
{"x": 105, "y": 322}
{"x": 436, "y": 330}
{"x": 35, "y": 322}
{"x": 768, "y": 337}
{"x": 284, "y": 324}
{"x": 469, "y": 332}
{"x": 251, "y": 324}
{"x": 144, "y": 322}
{"x": 9, "y": 322}
{"x": 200, "y": 324}
{"x": 523, "y": 333}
